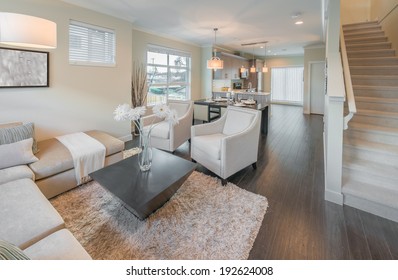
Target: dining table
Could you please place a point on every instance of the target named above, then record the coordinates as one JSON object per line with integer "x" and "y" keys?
{"x": 216, "y": 105}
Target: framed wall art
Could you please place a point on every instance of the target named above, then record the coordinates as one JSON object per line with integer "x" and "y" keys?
{"x": 23, "y": 68}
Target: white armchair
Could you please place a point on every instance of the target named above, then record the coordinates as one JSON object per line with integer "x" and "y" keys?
{"x": 228, "y": 144}
{"x": 166, "y": 136}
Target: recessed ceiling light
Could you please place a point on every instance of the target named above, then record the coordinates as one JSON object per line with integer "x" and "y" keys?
{"x": 299, "y": 22}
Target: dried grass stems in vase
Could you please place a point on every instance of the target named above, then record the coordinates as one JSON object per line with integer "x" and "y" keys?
{"x": 139, "y": 90}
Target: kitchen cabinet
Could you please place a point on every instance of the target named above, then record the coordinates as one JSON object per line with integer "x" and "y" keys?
{"x": 231, "y": 70}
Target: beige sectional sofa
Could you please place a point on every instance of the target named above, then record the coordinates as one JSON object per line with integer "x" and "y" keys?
{"x": 27, "y": 218}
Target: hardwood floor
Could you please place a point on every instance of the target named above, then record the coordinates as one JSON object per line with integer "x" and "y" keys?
{"x": 299, "y": 223}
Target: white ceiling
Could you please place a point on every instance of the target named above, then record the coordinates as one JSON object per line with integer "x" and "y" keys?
{"x": 238, "y": 22}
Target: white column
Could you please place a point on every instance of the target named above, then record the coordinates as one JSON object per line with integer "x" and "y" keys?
{"x": 207, "y": 75}
{"x": 334, "y": 105}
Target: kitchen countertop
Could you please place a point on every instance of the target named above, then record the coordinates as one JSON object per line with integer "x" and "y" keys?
{"x": 245, "y": 92}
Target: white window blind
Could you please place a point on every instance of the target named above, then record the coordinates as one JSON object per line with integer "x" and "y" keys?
{"x": 287, "y": 85}
{"x": 91, "y": 45}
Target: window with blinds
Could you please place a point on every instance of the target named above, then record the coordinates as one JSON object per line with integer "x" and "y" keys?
{"x": 91, "y": 45}
{"x": 287, "y": 85}
{"x": 169, "y": 74}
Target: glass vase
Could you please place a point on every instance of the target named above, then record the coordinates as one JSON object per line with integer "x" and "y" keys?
{"x": 145, "y": 156}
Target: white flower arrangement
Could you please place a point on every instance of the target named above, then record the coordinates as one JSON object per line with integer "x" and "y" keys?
{"x": 124, "y": 112}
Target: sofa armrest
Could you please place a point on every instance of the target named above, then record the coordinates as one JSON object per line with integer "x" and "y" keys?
{"x": 150, "y": 119}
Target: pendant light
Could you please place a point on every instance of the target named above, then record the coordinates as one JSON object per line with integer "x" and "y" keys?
{"x": 27, "y": 31}
{"x": 265, "y": 68}
{"x": 253, "y": 68}
{"x": 242, "y": 68}
{"x": 215, "y": 62}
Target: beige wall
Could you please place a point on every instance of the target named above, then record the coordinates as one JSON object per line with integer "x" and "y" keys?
{"x": 142, "y": 39}
{"x": 379, "y": 9}
{"x": 311, "y": 54}
{"x": 280, "y": 62}
{"x": 352, "y": 11}
{"x": 79, "y": 97}
{"x": 83, "y": 97}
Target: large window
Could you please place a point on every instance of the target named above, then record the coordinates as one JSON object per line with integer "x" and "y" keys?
{"x": 91, "y": 45}
{"x": 287, "y": 85}
{"x": 169, "y": 74}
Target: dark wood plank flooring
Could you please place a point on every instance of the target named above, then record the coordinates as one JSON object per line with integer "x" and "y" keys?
{"x": 299, "y": 223}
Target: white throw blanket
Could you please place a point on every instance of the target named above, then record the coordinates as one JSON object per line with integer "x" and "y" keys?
{"x": 88, "y": 154}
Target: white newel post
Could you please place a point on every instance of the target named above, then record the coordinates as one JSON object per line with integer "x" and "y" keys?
{"x": 334, "y": 108}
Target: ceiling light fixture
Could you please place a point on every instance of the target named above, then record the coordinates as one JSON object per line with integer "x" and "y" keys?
{"x": 215, "y": 62}
{"x": 265, "y": 68}
{"x": 297, "y": 18}
{"x": 27, "y": 31}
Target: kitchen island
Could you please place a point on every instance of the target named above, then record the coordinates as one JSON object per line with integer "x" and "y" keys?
{"x": 263, "y": 98}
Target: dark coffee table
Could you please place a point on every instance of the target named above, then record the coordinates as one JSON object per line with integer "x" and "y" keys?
{"x": 144, "y": 192}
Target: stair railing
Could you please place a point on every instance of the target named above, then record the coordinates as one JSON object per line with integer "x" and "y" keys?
{"x": 352, "y": 108}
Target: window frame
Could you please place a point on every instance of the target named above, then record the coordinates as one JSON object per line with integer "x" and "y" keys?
{"x": 188, "y": 68}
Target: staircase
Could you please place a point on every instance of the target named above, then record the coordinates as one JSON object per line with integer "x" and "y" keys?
{"x": 370, "y": 157}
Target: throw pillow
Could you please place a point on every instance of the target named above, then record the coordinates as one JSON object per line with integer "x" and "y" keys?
{"x": 17, "y": 153}
{"x": 9, "y": 251}
{"x": 14, "y": 134}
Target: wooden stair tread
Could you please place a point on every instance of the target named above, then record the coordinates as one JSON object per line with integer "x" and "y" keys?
{"x": 371, "y": 53}
{"x": 379, "y": 194}
{"x": 375, "y": 67}
{"x": 358, "y": 24}
{"x": 384, "y": 77}
{"x": 347, "y": 35}
{"x": 389, "y": 88}
{"x": 372, "y": 168}
{"x": 371, "y": 146}
{"x": 373, "y": 128}
{"x": 378, "y": 100}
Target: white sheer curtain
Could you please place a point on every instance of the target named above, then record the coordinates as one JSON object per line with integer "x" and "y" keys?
{"x": 287, "y": 85}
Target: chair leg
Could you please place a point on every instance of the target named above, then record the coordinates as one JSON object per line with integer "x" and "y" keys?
{"x": 254, "y": 165}
{"x": 224, "y": 182}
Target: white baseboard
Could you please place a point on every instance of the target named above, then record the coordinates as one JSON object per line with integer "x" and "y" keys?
{"x": 334, "y": 197}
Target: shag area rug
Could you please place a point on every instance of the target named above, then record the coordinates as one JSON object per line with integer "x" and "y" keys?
{"x": 203, "y": 220}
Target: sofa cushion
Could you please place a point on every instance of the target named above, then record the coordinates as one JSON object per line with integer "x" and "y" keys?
{"x": 237, "y": 121}
{"x": 55, "y": 158}
{"x": 17, "y": 153}
{"x": 26, "y": 215}
{"x": 17, "y": 133}
{"x": 61, "y": 245}
{"x": 161, "y": 130}
{"x": 209, "y": 145}
{"x": 112, "y": 144}
{"x": 15, "y": 173}
{"x": 9, "y": 251}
